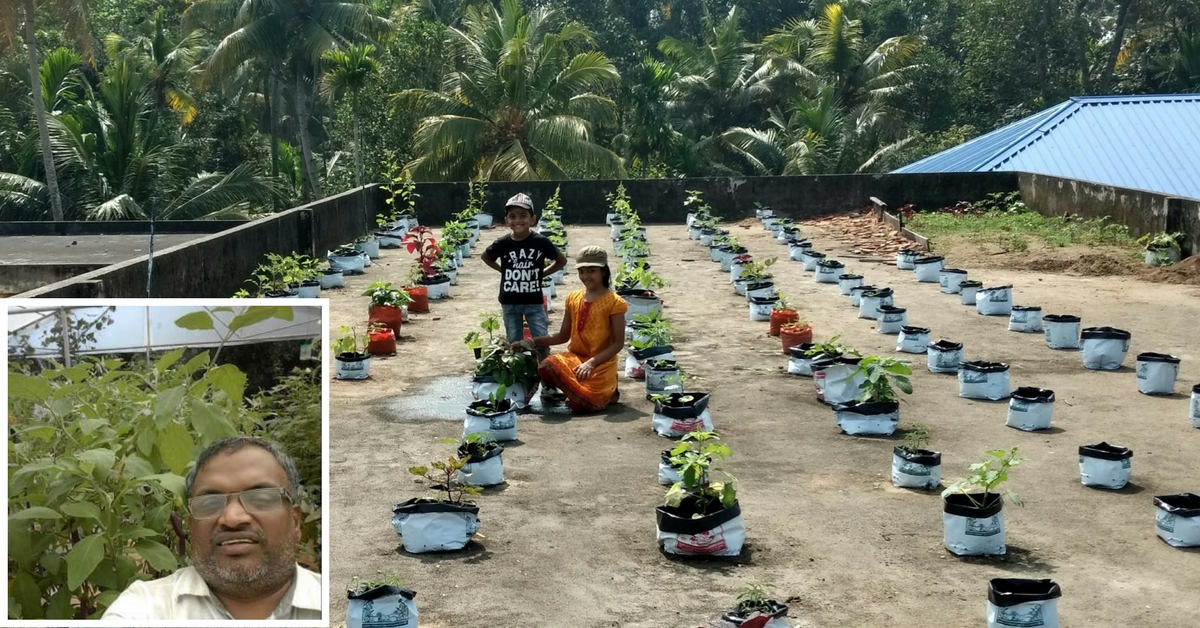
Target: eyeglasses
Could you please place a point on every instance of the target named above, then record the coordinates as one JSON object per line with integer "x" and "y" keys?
{"x": 258, "y": 501}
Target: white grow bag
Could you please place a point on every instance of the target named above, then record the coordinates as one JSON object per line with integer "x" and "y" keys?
{"x": 945, "y": 356}
{"x": 928, "y": 269}
{"x": 658, "y": 380}
{"x": 489, "y": 471}
{"x": 920, "y": 469}
{"x": 1103, "y": 348}
{"x": 1195, "y": 411}
{"x": 967, "y": 291}
{"x": 798, "y": 363}
{"x": 352, "y": 366}
{"x": 348, "y": 264}
{"x": 848, "y": 281}
{"x": 1022, "y": 602}
{"x": 332, "y": 279}
{"x": 912, "y": 339}
{"x": 635, "y": 359}
{"x": 971, "y": 531}
{"x": 876, "y": 418}
{"x": 385, "y": 605}
{"x": 640, "y": 302}
{"x": 890, "y": 319}
{"x": 760, "y": 308}
{"x": 501, "y": 426}
{"x": 856, "y": 294}
{"x": 719, "y": 534}
{"x": 1062, "y": 331}
{"x": 983, "y": 380}
{"x": 1025, "y": 318}
{"x": 438, "y": 290}
{"x": 905, "y": 258}
{"x": 427, "y": 526}
{"x": 996, "y": 301}
{"x": 950, "y": 280}
{"x": 667, "y": 474}
{"x": 828, "y": 271}
{"x": 811, "y": 259}
{"x": 869, "y": 302}
{"x": 797, "y": 250}
{"x": 760, "y": 289}
{"x": 1156, "y": 373}
{"x": 1030, "y": 408}
{"x": 837, "y": 381}
{"x": 1178, "y": 519}
{"x": 1105, "y": 466}
{"x": 675, "y": 421}
{"x": 482, "y": 387}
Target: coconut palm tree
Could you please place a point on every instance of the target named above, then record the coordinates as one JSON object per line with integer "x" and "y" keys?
{"x": 291, "y": 37}
{"x": 519, "y": 106}
{"x": 74, "y": 14}
{"x": 350, "y": 70}
{"x": 645, "y": 120}
{"x": 169, "y": 61}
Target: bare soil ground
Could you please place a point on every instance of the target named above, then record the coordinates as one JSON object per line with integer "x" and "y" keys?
{"x": 570, "y": 540}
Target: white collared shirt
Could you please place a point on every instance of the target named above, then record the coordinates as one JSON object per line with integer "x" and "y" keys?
{"x": 185, "y": 595}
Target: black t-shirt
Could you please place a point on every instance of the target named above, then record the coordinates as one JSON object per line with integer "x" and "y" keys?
{"x": 521, "y": 265}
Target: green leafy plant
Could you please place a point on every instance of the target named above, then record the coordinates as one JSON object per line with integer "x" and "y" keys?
{"x": 455, "y": 234}
{"x": 755, "y": 271}
{"x": 695, "y": 202}
{"x": 348, "y": 341}
{"x": 553, "y": 206}
{"x": 619, "y": 203}
{"x": 359, "y": 586}
{"x": 694, "y": 458}
{"x": 400, "y": 188}
{"x": 1161, "y": 244}
{"x": 420, "y": 241}
{"x": 280, "y": 273}
{"x": 987, "y": 477}
{"x": 443, "y": 480}
{"x": 508, "y": 366}
{"x": 490, "y": 324}
{"x": 633, "y": 248}
{"x": 633, "y": 275}
{"x": 883, "y": 377}
{"x": 497, "y": 401}
{"x": 781, "y": 303}
{"x": 831, "y": 348}
{"x": 384, "y": 293}
{"x": 476, "y": 445}
{"x": 655, "y": 331}
{"x": 755, "y": 598}
{"x": 916, "y": 439}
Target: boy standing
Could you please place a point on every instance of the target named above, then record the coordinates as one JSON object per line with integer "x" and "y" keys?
{"x": 521, "y": 258}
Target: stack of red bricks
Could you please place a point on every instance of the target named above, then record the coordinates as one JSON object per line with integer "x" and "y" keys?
{"x": 861, "y": 232}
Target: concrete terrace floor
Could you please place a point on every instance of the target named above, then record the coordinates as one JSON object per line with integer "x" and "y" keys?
{"x": 84, "y": 249}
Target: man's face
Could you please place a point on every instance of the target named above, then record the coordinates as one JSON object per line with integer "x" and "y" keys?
{"x": 240, "y": 553}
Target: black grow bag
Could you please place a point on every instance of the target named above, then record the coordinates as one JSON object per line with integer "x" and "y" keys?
{"x": 891, "y": 309}
{"x": 650, "y": 352}
{"x": 1104, "y": 333}
{"x": 849, "y": 276}
{"x": 878, "y": 293}
{"x": 433, "y": 280}
{"x": 1104, "y": 451}
{"x": 830, "y": 263}
{"x": 1157, "y": 357}
{"x": 678, "y": 520}
{"x": 819, "y": 256}
{"x": 928, "y": 260}
{"x": 1033, "y": 394}
{"x": 1027, "y": 308}
{"x": 383, "y": 590}
{"x": 959, "y": 504}
{"x": 493, "y": 449}
{"x": 870, "y": 408}
{"x": 1005, "y": 592}
{"x": 984, "y": 367}
{"x": 946, "y": 345}
{"x": 1196, "y": 389}
{"x": 954, "y": 271}
{"x": 636, "y": 293}
{"x": 759, "y": 285}
{"x": 910, "y": 330}
{"x": 475, "y": 408}
{"x": 1186, "y": 505}
{"x": 737, "y": 616}
{"x": 763, "y": 300}
{"x": 419, "y": 505}
{"x": 352, "y": 357}
{"x": 922, "y": 457}
{"x": 681, "y": 410}
{"x": 1060, "y": 318}
{"x": 970, "y": 283}
{"x": 799, "y": 351}
{"x": 861, "y": 290}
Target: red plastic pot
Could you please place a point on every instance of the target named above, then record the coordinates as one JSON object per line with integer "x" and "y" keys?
{"x": 420, "y": 298}
{"x": 782, "y": 317}
{"x": 791, "y": 336}
{"x": 389, "y": 315}
{"x": 382, "y": 342}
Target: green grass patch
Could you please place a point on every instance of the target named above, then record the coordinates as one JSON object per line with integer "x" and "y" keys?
{"x": 1014, "y": 230}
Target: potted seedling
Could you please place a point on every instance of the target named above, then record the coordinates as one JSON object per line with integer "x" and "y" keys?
{"x": 756, "y": 279}
{"x": 386, "y": 235}
{"x": 660, "y": 375}
{"x": 351, "y": 362}
{"x": 502, "y": 365}
{"x": 677, "y": 412}
{"x": 367, "y": 245}
{"x": 795, "y": 333}
{"x": 1162, "y": 249}
{"x": 806, "y": 353}
{"x": 381, "y": 339}
{"x": 370, "y": 601}
{"x": 495, "y": 416}
{"x": 700, "y": 516}
{"x": 484, "y": 466}
{"x": 347, "y": 260}
{"x": 421, "y": 243}
{"x": 697, "y": 208}
{"x": 442, "y": 523}
{"x": 387, "y": 304}
{"x": 489, "y": 323}
{"x": 972, "y": 510}
{"x": 754, "y": 602}
{"x": 277, "y": 278}
{"x": 457, "y": 238}
{"x": 876, "y": 409}
{"x": 761, "y": 307}
{"x": 914, "y": 466}
{"x": 652, "y": 338}
{"x": 783, "y": 313}
{"x": 636, "y": 284}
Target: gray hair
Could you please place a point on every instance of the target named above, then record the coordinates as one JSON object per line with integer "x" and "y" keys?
{"x": 231, "y": 444}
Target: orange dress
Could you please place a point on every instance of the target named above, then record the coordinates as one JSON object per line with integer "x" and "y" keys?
{"x": 591, "y": 332}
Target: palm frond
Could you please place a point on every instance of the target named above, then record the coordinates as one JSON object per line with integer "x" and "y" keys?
{"x": 23, "y": 198}
{"x": 211, "y": 193}
{"x": 120, "y": 207}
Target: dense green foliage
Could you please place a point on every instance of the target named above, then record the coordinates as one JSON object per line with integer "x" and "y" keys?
{"x": 223, "y": 107}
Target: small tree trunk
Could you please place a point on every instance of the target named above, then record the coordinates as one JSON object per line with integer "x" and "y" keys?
{"x": 1115, "y": 49}
{"x": 39, "y": 108}
{"x": 273, "y": 124}
{"x": 302, "y": 115}
{"x": 358, "y": 145}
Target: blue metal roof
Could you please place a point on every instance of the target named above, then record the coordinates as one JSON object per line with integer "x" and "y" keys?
{"x": 1140, "y": 142}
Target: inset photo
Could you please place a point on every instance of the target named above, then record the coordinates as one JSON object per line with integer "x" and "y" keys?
{"x": 166, "y": 460}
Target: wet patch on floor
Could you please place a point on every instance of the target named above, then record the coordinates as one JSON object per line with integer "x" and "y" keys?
{"x": 446, "y": 398}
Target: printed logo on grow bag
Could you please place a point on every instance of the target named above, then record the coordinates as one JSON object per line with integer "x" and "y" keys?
{"x": 973, "y": 377}
{"x": 999, "y": 296}
{"x": 1014, "y": 616}
{"x": 946, "y": 359}
{"x": 912, "y": 468}
{"x": 983, "y": 527}
{"x": 707, "y": 542}
{"x": 1125, "y": 463}
{"x": 1125, "y": 345}
{"x": 354, "y": 366}
{"x": 1018, "y": 406}
{"x": 506, "y": 421}
{"x": 1165, "y": 521}
{"x": 376, "y": 619}
{"x": 1020, "y": 317}
{"x": 687, "y": 426}
{"x": 637, "y": 371}
{"x": 944, "y": 281}
{"x": 1196, "y": 407}
{"x": 893, "y": 318}
{"x": 1142, "y": 367}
